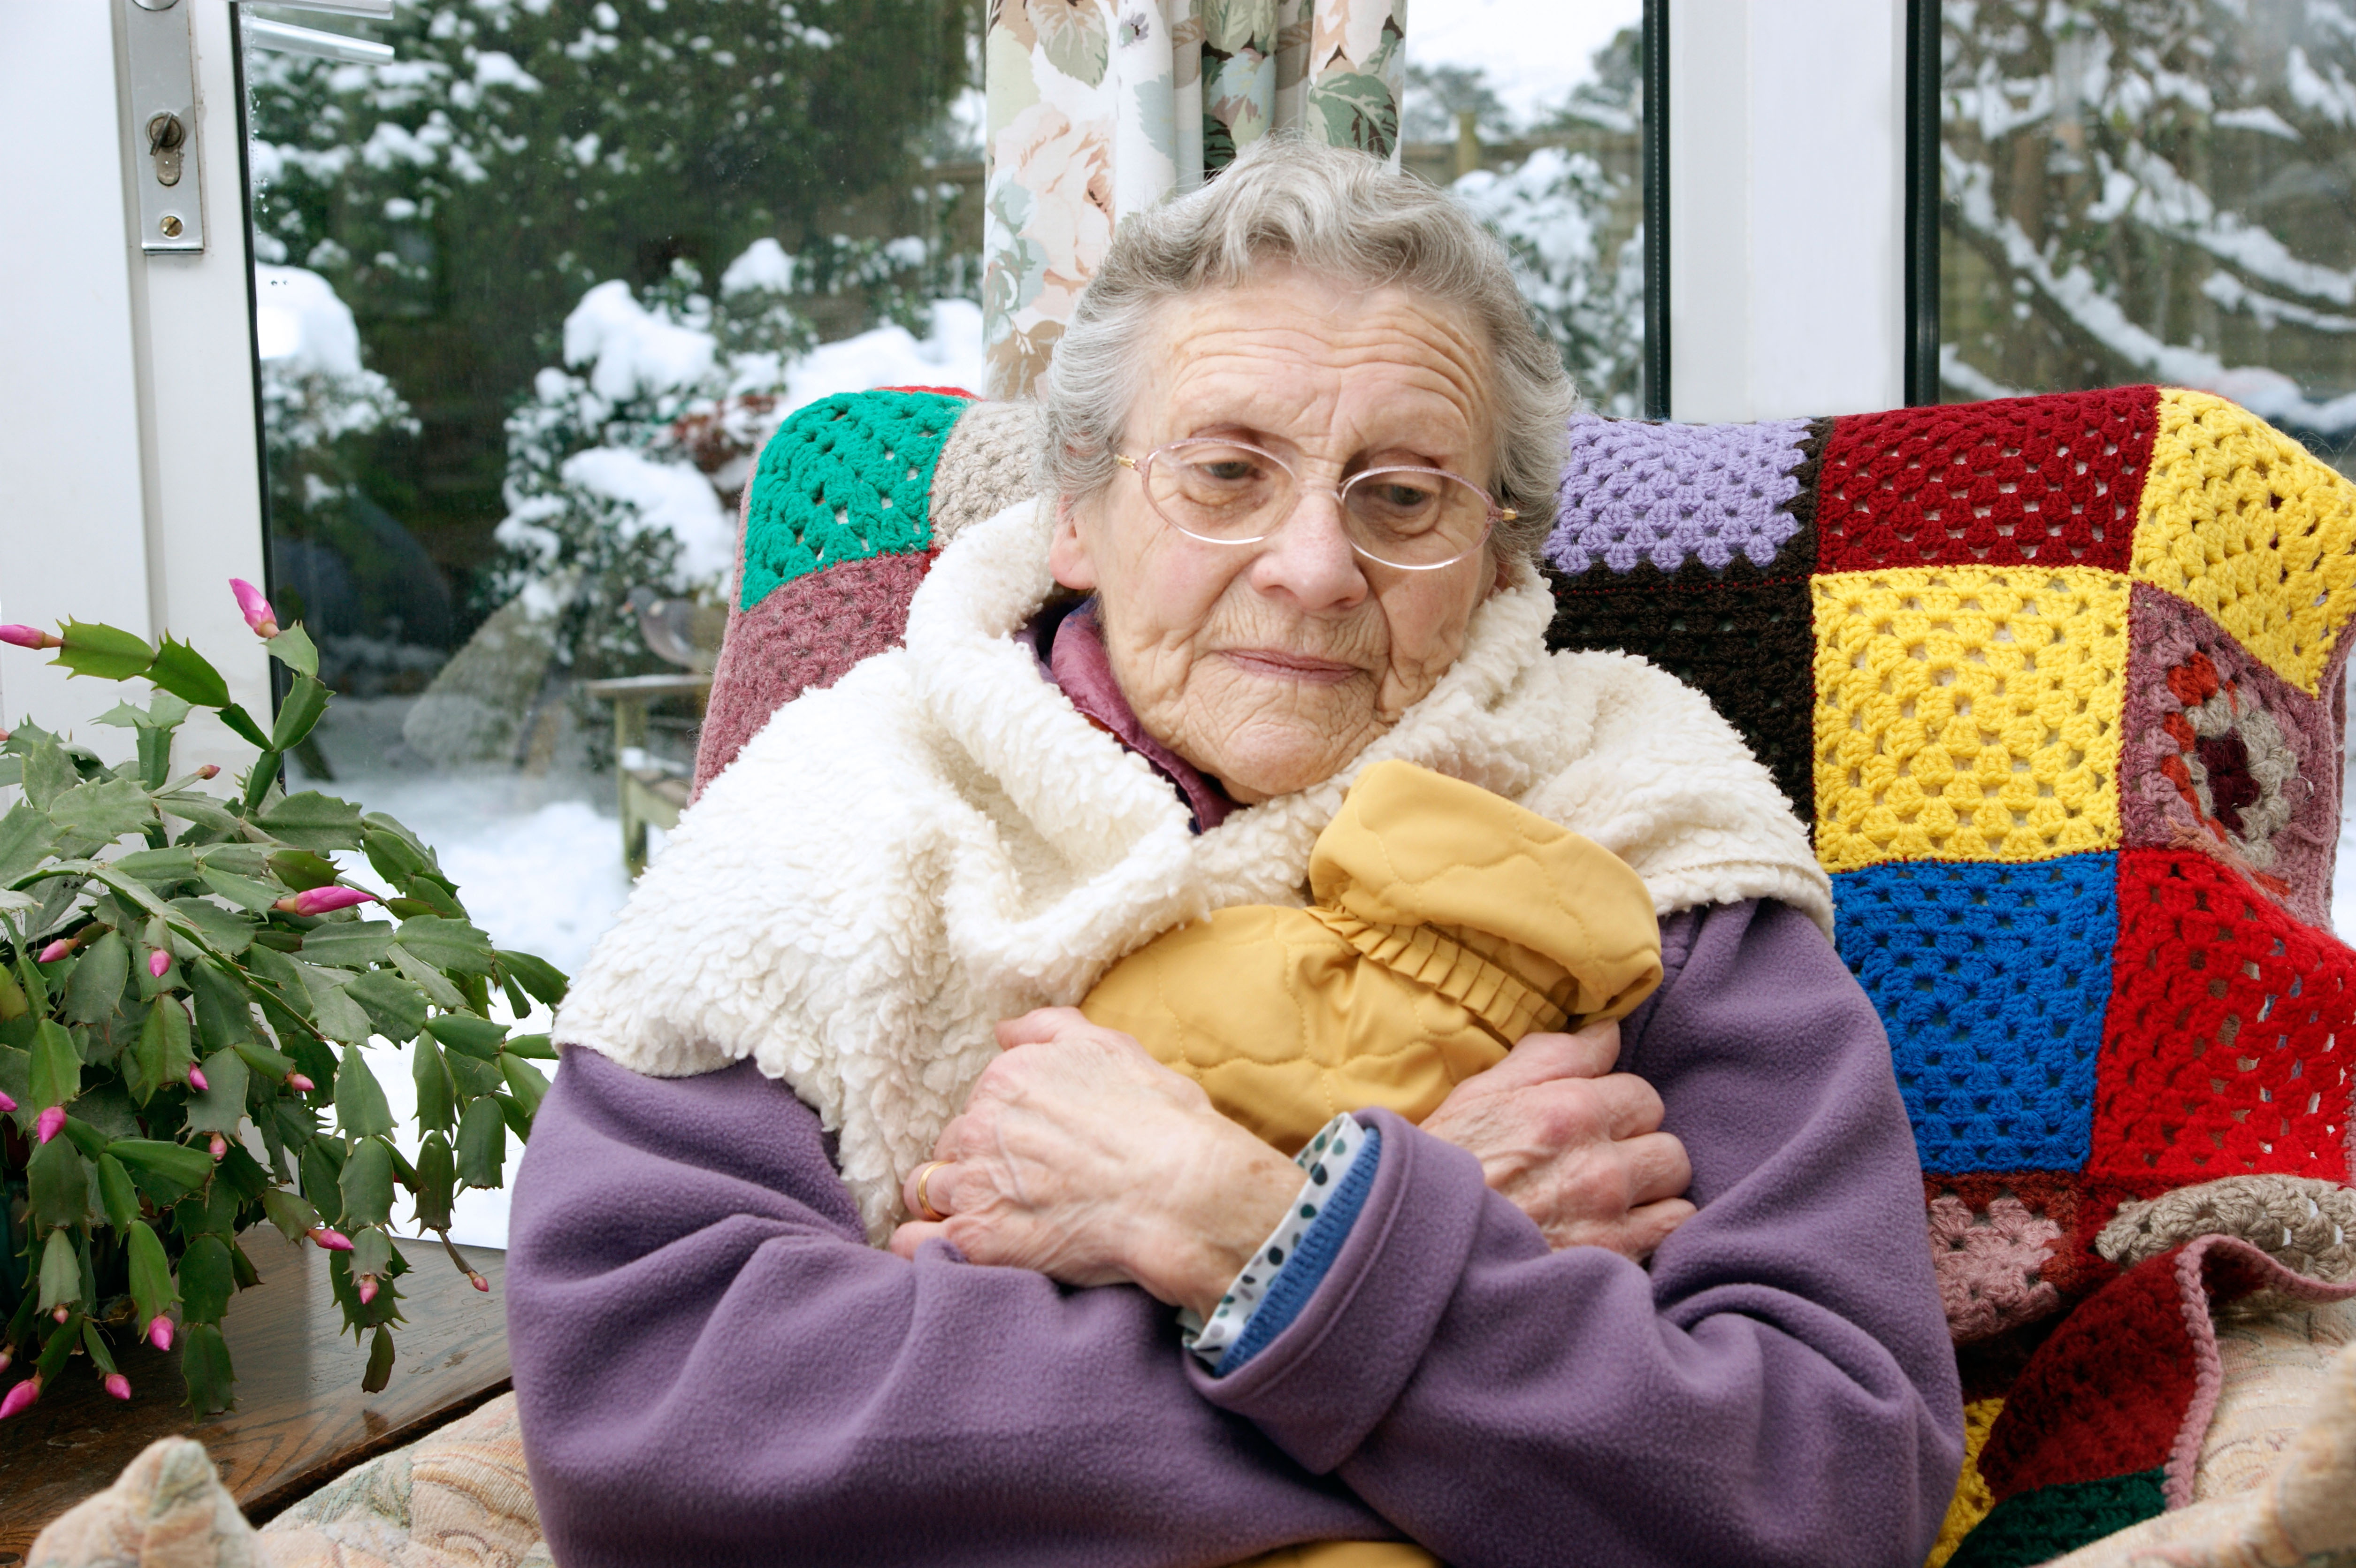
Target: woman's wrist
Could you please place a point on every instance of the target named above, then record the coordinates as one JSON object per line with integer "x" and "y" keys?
{"x": 1225, "y": 1193}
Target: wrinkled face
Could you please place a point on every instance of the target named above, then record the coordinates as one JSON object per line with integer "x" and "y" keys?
{"x": 1269, "y": 666}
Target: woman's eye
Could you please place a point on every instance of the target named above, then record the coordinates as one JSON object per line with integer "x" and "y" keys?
{"x": 1402, "y": 498}
{"x": 1233, "y": 470}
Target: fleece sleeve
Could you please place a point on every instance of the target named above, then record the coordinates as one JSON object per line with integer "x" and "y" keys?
{"x": 714, "y": 1368}
{"x": 1777, "y": 1388}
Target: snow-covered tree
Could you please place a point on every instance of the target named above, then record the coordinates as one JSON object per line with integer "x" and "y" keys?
{"x": 625, "y": 464}
{"x": 1575, "y": 264}
{"x": 2153, "y": 190}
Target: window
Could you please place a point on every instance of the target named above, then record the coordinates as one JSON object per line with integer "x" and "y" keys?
{"x": 532, "y": 282}
{"x": 2152, "y": 191}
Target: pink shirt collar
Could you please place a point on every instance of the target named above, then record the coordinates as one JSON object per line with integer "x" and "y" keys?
{"x": 1078, "y": 665}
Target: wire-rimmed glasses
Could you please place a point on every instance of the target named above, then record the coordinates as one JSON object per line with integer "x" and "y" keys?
{"x": 1232, "y": 492}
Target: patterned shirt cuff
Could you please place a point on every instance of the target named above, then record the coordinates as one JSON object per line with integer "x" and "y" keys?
{"x": 1284, "y": 1272}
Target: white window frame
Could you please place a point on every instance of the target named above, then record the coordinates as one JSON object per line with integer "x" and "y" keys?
{"x": 128, "y": 446}
{"x": 1786, "y": 194}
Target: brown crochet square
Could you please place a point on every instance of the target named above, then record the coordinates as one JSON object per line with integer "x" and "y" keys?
{"x": 1743, "y": 640}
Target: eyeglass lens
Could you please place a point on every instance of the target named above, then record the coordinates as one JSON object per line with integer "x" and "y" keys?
{"x": 1233, "y": 494}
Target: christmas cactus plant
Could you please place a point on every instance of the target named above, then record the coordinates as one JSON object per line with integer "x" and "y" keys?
{"x": 185, "y": 980}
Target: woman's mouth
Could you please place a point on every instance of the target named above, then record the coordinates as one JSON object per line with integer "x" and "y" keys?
{"x": 1275, "y": 664}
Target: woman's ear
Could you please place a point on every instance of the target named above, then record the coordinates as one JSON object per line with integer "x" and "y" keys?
{"x": 1068, "y": 556}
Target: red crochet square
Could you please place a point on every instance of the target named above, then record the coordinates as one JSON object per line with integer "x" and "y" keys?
{"x": 2225, "y": 1049}
{"x": 2055, "y": 480}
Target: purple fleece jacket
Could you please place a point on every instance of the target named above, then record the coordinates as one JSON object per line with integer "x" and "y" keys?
{"x": 714, "y": 1368}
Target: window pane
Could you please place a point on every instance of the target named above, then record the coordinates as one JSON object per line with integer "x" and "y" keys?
{"x": 529, "y": 299}
{"x": 2155, "y": 191}
{"x": 1534, "y": 109}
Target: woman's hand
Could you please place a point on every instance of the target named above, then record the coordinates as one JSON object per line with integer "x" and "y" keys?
{"x": 1082, "y": 1157}
{"x": 1573, "y": 1145}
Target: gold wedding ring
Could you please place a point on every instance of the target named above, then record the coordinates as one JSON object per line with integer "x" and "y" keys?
{"x": 924, "y": 1200}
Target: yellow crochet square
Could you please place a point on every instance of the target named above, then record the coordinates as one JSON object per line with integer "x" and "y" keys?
{"x": 2237, "y": 518}
{"x": 1967, "y": 712}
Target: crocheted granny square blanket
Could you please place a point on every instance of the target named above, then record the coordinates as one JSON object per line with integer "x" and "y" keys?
{"x": 2105, "y": 1426}
{"x": 2057, "y": 681}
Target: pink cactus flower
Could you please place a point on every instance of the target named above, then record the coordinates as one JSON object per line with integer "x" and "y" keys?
{"x": 29, "y": 636}
{"x": 159, "y": 1333}
{"x": 325, "y": 900}
{"x": 157, "y": 962}
{"x": 118, "y": 1385}
{"x": 196, "y": 1081}
{"x": 21, "y": 1397}
{"x": 220, "y": 1146}
{"x": 51, "y": 1123}
{"x": 367, "y": 1289}
{"x": 300, "y": 1083}
{"x": 57, "y": 950}
{"x": 7, "y": 1106}
{"x": 254, "y": 607}
{"x": 331, "y": 1240}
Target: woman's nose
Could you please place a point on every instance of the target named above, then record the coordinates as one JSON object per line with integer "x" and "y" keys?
{"x": 1310, "y": 558}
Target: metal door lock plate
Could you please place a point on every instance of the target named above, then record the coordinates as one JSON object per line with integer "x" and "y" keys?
{"x": 168, "y": 158}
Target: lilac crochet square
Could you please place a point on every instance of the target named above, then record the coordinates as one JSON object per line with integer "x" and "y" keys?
{"x": 1670, "y": 493}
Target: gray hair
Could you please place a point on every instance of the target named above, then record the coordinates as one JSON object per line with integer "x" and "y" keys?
{"x": 1339, "y": 213}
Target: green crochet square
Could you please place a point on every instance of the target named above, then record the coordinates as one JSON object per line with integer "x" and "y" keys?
{"x": 2052, "y": 1522}
{"x": 845, "y": 479}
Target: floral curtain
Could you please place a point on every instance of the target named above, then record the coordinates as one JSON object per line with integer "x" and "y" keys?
{"x": 1101, "y": 107}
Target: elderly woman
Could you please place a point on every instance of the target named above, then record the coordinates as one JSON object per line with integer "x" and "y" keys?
{"x": 843, "y": 1238}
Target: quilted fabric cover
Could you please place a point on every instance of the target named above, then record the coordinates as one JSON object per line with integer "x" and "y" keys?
{"x": 2056, "y": 680}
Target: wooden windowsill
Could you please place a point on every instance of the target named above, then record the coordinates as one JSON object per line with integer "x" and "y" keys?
{"x": 300, "y": 1417}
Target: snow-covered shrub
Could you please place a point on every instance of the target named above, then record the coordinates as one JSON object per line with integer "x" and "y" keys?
{"x": 625, "y": 464}
{"x": 1555, "y": 214}
{"x": 314, "y": 389}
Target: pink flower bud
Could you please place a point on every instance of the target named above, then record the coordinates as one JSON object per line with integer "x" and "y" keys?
{"x": 300, "y": 1083}
{"x": 331, "y": 1240}
{"x": 56, "y": 950}
{"x": 20, "y": 1397}
{"x": 159, "y": 1333}
{"x": 118, "y": 1385}
{"x": 254, "y": 607}
{"x": 367, "y": 1289}
{"x": 29, "y": 636}
{"x": 210, "y": 770}
{"x": 58, "y": 1314}
{"x": 196, "y": 1081}
{"x": 6, "y": 1106}
{"x": 157, "y": 962}
{"x": 480, "y": 1283}
{"x": 325, "y": 900}
{"x": 52, "y": 1123}
{"x": 220, "y": 1147}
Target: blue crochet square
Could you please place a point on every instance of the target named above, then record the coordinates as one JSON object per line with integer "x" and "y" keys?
{"x": 1992, "y": 979}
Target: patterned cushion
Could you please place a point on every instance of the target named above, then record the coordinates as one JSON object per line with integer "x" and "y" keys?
{"x": 2056, "y": 682}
